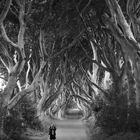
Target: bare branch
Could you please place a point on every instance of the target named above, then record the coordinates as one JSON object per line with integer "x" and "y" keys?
{"x": 86, "y": 6}
{"x": 91, "y": 83}
{"x": 14, "y": 10}
{"x": 137, "y": 20}
{"x": 111, "y": 10}
{"x": 94, "y": 61}
{"x": 43, "y": 2}
{"x": 39, "y": 74}
{"x": 28, "y": 70}
{"x": 42, "y": 45}
{"x": 5, "y": 37}
{"x": 89, "y": 79}
{"x": 6, "y": 66}
{"x": 121, "y": 19}
{"x": 129, "y": 6}
{"x": 30, "y": 89}
{"x": 82, "y": 98}
{"x": 20, "y": 2}
{"x": 46, "y": 104}
{"x": 84, "y": 23}
{"x": 29, "y": 7}
{"x": 125, "y": 42}
{"x": 105, "y": 59}
{"x": 22, "y": 28}
{"x": 68, "y": 47}
{"x": 5, "y": 11}
{"x": 3, "y": 78}
{"x": 75, "y": 82}
{"x": 5, "y": 52}
{"x": 137, "y": 7}
{"x": 15, "y": 100}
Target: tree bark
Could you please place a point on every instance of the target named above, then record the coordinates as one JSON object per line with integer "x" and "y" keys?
{"x": 127, "y": 41}
{"x": 9, "y": 90}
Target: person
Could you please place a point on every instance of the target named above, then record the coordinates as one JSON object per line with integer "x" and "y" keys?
{"x": 52, "y": 132}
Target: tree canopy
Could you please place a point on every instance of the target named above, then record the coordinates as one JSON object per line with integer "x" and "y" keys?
{"x": 62, "y": 51}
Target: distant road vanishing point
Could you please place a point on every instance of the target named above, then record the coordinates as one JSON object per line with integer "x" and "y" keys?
{"x": 70, "y": 130}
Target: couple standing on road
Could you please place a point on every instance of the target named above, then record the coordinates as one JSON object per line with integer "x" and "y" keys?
{"x": 52, "y": 132}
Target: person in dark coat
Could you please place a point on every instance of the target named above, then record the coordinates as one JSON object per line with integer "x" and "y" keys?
{"x": 52, "y": 132}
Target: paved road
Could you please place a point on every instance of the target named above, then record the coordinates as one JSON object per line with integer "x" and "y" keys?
{"x": 70, "y": 130}
{"x": 67, "y": 130}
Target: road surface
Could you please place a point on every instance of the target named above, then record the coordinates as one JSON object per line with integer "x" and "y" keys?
{"x": 70, "y": 130}
{"x": 66, "y": 130}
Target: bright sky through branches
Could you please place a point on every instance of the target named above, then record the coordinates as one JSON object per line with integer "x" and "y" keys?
{"x": 2, "y": 83}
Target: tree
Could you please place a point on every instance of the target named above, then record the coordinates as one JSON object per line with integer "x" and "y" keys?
{"x": 63, "y": 50}
{"x": 126, "y": 35}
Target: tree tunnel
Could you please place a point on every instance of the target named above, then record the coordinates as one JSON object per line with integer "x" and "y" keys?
{"x": 61, "y": 59}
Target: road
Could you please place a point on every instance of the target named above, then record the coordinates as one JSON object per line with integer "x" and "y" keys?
{"x": 70, "y": 130}
{"x": 67, "y": 130}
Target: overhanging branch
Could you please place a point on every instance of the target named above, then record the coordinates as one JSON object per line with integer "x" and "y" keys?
{"x": 94, "y": 61}
{"x": 74, "y": 81}
{"x": 6, "y": 66}
{"x": 46, "y": 104}
{"x": 82, "y": 98}
{"x": 15, "y": 100}
{"x": 3, "y": 78}
{"x": 92, "y": 83}
{"x": 115, "y": 7}
{"x": 126, "y": 43}
{"x": 5, "y": 11}
{"x": 68, "y": 47}
{"x": 42, "y": 45}
{"x": 5, "y": 37}
{"x": 19, "y": 96}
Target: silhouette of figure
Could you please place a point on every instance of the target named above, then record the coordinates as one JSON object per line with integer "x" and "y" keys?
{"x": 52, "y": 132}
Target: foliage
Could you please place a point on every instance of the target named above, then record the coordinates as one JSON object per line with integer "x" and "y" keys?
{"x": 111, "y": 119}
{"x": 116, "y": 118}
{"x": 30, "y": 119}
{"x": 21, "y": 117}
{"x": 13, "y": 127}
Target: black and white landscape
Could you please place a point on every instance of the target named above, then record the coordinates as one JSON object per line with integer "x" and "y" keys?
{"x": 69, "y": 70}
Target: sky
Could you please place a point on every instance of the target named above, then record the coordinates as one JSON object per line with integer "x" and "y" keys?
{"x": 2, "y": 85}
